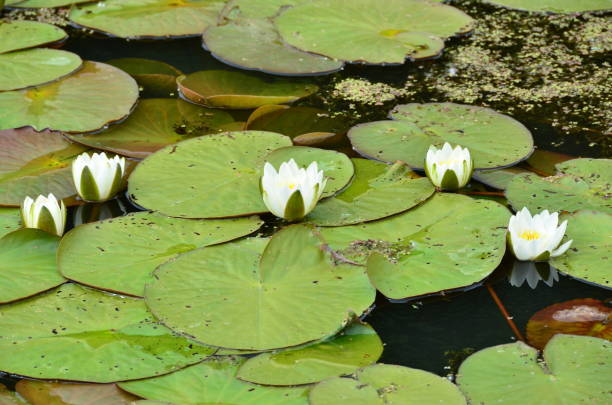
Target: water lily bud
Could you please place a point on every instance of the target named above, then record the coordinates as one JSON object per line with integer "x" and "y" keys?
{"x": 96, "y": 177}
{"x": 46, "y": 213}
{"x": 292, "y": 192}
{"x": 448, "y": 168}
{"x": 536, "y": 238}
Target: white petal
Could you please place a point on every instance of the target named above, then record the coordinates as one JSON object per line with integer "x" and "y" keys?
{"x": 562, "y": 249}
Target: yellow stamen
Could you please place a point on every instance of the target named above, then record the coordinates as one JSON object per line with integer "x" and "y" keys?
{"x": 291, "y": 186}
{"x": 450, "y": 162}
{"x": 530, "y": 235}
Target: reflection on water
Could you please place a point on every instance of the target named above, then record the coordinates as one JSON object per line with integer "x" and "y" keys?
{"x": 532, "y": 273}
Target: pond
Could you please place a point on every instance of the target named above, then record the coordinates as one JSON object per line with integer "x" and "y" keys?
{"x": 188, "y": 270}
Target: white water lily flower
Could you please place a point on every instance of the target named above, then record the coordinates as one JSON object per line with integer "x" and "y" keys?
{"x": 538, "y": 237}
{"x": 96, "y": 177}
{"x": 292, "y": 192}
{"x": 46, "y": 213}
{"x": 448, "y": 168}
{"x": 533, "y": 273}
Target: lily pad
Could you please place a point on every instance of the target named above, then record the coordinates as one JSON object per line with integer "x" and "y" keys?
{"x": 259, "y": 8}
{"x": 382, "y": 384}
{"x": 591, "y": 252}
{"x": 10, "y": 220}
{"x": 213, "y": 382}
{"x": 377, "y": 191}
{"x": 494, "y": 140}
{"x": 450, "y": 241}
{"x": 543, "y": 162}
{"x": 336, "y": 166}
{"x": 155, "y": 19}
{"x": 575, "y": 370}
{"x": 388, "y": 32}
{"x": 555, "y": 6}
{"x": 155, "y": 124}
{"x": 357, "y": 346}
{"x": 27, "y": 264}
{"x": 498, "y": 178}
{"x": 580, "y": 184}
{"x": 157, "y": 79}
{"x": 95, "y": 96}
{"x": 80, "y": 334}
{"x": 184, "y": 180}
{"x": 33, "y": 163}
{"x": 120, "y": 254}
{"x": 240, "y": 90}
{"x": 17, "y": 35}
{"x": 43, "y": 3}
{"x": 260, "y": 290}
{"x": 8, "y": 397}
{"x": 34, "y": 67}
{"x": 52, "y": 393}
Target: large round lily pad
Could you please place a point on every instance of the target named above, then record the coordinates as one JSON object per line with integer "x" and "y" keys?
{"x": 575, "y": 370}
{"x": 450, "y": 241}
{"x": 208, "y": 177}
{"x": 33, "y": 163}
{"x": 555, "y": 6}
{"x": 382, "y": 384}
{"x": 120, "y": 254}
{"x": 580, "y": 184}
{"x": 156, "y": 78}
{"x": 10, "y": 220}
{"x": 148, "y": 18}
{"x": 52, "y": 393}
{"x": 377, "y": 191}
{"x": 18, "y": 35}
{"x": 80, "y": 334}
{"x": 27, "y": 264}
{"x": 95, "y": 96}
{"x": 357, "y": 346}
{"x": 256, "y": 295}
{"x": 494, "y": 140}
{"x": 591, "y": 251}
{"x": 155, "y": 124}
{"x": 387, "y": 32}
{"x": 33, "y": 67}
{"x": 213, "y": 382}
{"x": 240, "y": 90}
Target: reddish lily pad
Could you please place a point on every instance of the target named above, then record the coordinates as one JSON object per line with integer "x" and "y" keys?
{"x": 155, "y": 77}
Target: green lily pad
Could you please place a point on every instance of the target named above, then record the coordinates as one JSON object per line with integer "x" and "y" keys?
{"x": 80, "y": 334}
{"x": 155, "y": 124}
{"x": 16, "y": 35}
{"x": 259, "y": 8}
{"x": 95, "y": 96}
{"x": 499, "y": 178}
{"x": 357, "y": 346}
{"x": 388, "y": 32}
{"x": 155, "y": 19}
{"x": 120, "y": 254}
{"x": 34, "y": 67}
{"x": 43, "y": 3}
{"x": 184, "y": 180}
{"x": 377, "y": 191}
{"x": 544, "y": 161}
{"x": 240, "y": 90}
{"x": 336, "y": 166}
{"x": 450, "y": 241}
{"x": 580, "y": 184}
{"x": 382, "y": 384}
{"x": 156, "y": 78}
{"x": 591, "y": 251}
{"x": 494, "y": 140}
{"x": 213, "y": 382}
{"x": 52, "y": 393}
{"x": 33, "y": 163}
{"x": 555, "y": 6}
{"x": 260, "y": 289}
{"x": 27, "y": 264}
{"x": 575, "y": 370}
{"x": 10, "y": 220}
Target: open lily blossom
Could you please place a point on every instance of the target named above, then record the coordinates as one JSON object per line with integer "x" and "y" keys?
{"x": 97, "y": 177}
{"x": 292, "y": 192}
{"x": 536, "y": 238}
{"x": 46, "y": 213}
{"x": 449, "y": 168}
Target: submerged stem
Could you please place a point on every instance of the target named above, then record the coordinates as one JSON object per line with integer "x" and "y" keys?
{"x": 504, "y": 312}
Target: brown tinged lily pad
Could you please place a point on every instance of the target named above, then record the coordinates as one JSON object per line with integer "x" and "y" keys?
{"x": 157, "y": 78}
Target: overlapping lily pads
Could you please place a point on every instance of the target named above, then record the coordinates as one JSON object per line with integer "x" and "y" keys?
{"x": 10, "y": 220}
{"x": 388, "y": 32}
{"x": 34, "y": 67}
{"x": 17, "y": 35}
{"x": 555, "y": 6}
{"x": 280, "y": 293}
{"x": 148, "y": 18}
{"x": 377, "y": 191}
{"x": 155, "y": 77}
{"x": 80, "y": 334}
{"x": 213, "y": 382}
{"x": 43, "y": 3}
{"x": 575, "y": 370}
{"x": 51, "y": 393}
{"x": 155, "y": 124}
{"x": 95, "y": 96}
{"x": 450, "y": 241}
{"x": 240, "y": 90}
{"x": 494, "y": 140}
{"x": 119, "y": 254}
{"x": 208, "y": 177}
{"x": 33, "y": 163}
